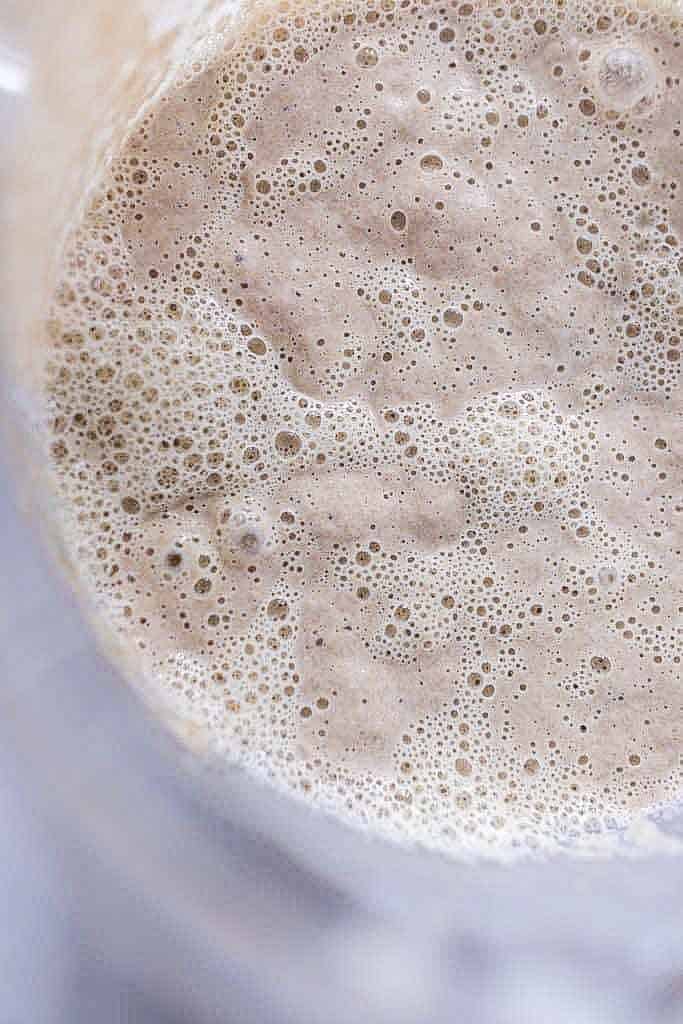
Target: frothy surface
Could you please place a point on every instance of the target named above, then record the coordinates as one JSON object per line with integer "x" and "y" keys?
{"x": 364, "y": 388}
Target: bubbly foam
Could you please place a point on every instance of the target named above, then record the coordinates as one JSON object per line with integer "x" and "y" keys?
{"x": 364, "y": 390}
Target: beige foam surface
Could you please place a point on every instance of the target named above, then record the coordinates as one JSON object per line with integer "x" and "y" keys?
{"x": 364, "y": 395}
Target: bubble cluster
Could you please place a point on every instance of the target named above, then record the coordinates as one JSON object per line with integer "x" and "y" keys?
{"x": 365, "y": 410}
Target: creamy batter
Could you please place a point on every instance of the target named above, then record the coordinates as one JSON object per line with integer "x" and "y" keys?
{"x": 364, "y": 391}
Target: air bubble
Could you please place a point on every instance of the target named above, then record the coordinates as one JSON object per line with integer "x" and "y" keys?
{"x": 431, "y": 162}
{"x": 398, "y": 220}
{"x": 625, "y": 77}
{"x": 367, "y": 57}
{"x": 287, "y": 444}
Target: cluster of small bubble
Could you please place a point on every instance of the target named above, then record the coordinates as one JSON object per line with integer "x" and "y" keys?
{"x": 364, "y": 410}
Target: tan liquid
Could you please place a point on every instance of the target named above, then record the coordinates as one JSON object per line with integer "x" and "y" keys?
{"x": 365, "y": 394}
